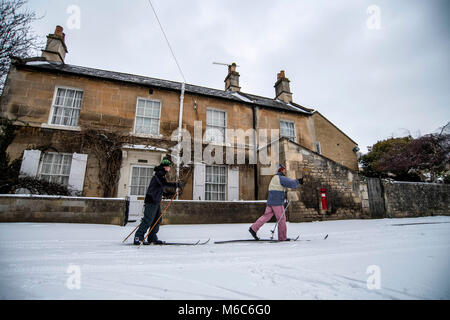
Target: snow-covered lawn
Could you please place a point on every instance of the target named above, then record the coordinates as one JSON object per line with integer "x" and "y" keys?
{"x": 407, "y": 258}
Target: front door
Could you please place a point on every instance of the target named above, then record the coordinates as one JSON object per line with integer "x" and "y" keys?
{"x": 140, "y": 179}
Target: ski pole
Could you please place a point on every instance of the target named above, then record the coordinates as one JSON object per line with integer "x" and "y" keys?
{"x": 284, "y": 212}
{"x": 135, "y": 228}
{"x": 154, "y": 225}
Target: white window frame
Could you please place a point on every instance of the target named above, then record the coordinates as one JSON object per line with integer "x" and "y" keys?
{"x": 41, "y": 163}
{"x": 131, "y": 178}
{"x": 318, "y": 147}
{"x": 215, "y": 126}
{"x": 147, "y": 134}
{"x": 225, "y": 193}
{"x": 293, "y": 138}
{"x": 52, "y": 109}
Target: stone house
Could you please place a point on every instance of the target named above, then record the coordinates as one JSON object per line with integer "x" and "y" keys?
{"x": 58, "y": 101}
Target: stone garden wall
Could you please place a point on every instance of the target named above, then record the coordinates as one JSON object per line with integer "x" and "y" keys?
{"x": 412, "y": 199}
{"x": 38, "y": 208}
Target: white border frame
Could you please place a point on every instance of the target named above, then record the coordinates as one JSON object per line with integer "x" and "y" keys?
{"x": 226, "y": 125}
{"x": 295, "y": 129}
{"x": 41, "y": 162}
{"x": 56, "y": 126}
{"x": 149, "y": 135}
{"x": 226, "y": 183}
{"x": 131, "y": 177}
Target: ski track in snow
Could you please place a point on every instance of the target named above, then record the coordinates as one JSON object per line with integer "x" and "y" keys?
{"x": 413, "y": 256}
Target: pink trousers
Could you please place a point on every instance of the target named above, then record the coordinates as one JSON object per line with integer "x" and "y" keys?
{"x": 270, "y": 211}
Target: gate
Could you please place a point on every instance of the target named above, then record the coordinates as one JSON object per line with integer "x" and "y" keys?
{"x": 136, "y": 209}
{"x": 376, "y": 198}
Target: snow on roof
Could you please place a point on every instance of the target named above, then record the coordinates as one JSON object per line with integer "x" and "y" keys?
{"x": 296, "y": 108}
{"x": 236, "y": 94}
{"x": 36, "y": 63}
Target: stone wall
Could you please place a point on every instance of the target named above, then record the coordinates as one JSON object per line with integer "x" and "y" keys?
{"x": 347, "y": 200}
{"x": 33, "y": 208}
{"x": 346, "y": 192}
{"x": 211, "y": 212}
{"x": 412, "y": 199}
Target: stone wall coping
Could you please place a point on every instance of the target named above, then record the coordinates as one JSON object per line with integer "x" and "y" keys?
{"x": 120, "y": 199}
{"x": 37, "y": 196}
{"x": 414, "y": 183}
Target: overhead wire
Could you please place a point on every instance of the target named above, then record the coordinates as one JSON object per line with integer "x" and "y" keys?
{"x": 180, "y": 120}
{"x": 167, "y": 40}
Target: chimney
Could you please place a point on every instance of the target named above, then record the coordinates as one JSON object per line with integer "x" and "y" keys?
{"x": 232, "y": 79}
{"x": 282, "y": 89}
{"x": 56, "y": 49}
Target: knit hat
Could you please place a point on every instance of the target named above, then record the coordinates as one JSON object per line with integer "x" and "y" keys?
{"x": 166, "y": 163}
{"x": 281, "y": 167}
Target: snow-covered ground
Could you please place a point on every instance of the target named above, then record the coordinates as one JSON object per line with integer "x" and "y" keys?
{"x": 361, "y": 259}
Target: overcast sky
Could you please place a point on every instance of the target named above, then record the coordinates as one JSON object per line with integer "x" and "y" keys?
{"x": 375, "y": 69}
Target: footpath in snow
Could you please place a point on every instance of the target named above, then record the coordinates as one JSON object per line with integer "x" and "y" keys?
{"x": 361, "y": 259}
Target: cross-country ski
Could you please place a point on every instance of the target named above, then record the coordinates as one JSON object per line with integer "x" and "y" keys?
{"x": 168, "y": 243}
{"x": 266, "y": 240}
{"x": 259, "y": 240}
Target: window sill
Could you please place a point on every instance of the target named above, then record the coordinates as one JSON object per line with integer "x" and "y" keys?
{"x": 60, "y": 127}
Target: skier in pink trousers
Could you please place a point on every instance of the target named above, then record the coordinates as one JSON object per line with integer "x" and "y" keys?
{"x": 277, "y": 195}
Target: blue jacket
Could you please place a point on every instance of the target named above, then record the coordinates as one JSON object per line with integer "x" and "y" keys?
{"x": 278, "y": 187}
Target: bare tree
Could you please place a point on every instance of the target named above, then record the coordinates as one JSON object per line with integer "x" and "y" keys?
{"x": 16, "y": 37}
{"x": 10, "y": 178}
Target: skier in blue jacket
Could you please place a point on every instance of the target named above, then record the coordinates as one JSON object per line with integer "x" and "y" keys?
{"x": 277, "y": 195}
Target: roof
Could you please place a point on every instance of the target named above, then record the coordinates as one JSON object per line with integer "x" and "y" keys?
{"x": 40, "y": 64}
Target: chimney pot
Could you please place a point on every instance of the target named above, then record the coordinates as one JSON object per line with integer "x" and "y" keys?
{"x": 59, "y": 30}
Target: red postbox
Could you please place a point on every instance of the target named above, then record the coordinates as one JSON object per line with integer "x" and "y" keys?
{"x": 323, "y": 198}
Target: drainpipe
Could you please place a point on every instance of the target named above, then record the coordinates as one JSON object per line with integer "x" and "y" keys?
{"x": 180, "y": 123}
{"x": 255, "y": 153}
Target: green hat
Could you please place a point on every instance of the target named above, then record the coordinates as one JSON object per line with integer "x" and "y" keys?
{"x": 166, "y": 163}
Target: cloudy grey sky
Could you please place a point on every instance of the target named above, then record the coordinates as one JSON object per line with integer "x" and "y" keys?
{"x": 375, "y": 72}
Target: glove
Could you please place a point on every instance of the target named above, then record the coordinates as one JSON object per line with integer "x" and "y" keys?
{"x": 181, "y": 185}
{"x": 300, "y": 180}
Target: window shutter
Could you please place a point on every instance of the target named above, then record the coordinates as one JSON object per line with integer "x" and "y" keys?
{"x": 77, "y": 171}
{"x": 199, "y": 182}
{"x": 30, "y": 163}
{"x": 233, "y": 183}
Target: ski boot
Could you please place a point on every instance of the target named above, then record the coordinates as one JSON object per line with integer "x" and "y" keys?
{"x": 253, "y": 233}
